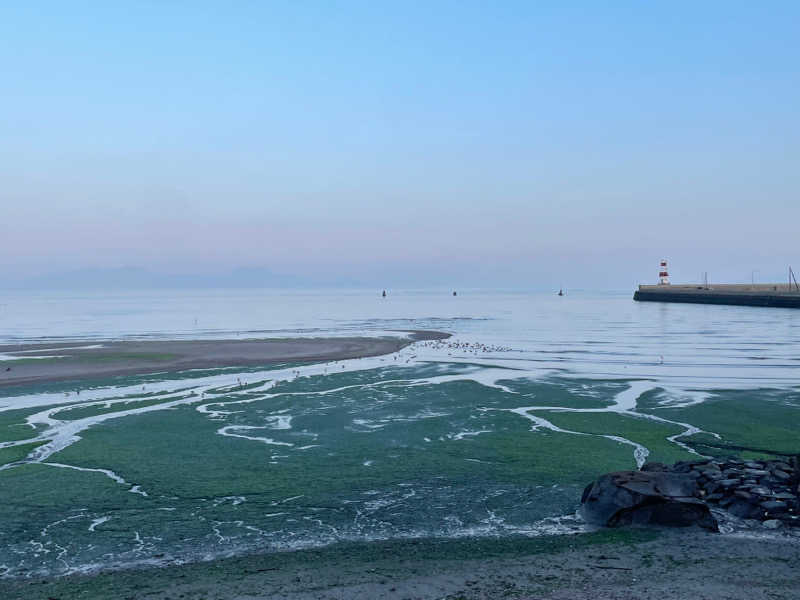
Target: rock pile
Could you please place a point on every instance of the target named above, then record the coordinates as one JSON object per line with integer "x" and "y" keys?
{"x": 768, "y": 491}
{"x": 752, "y": 489}
{"x": 645, "y": 497}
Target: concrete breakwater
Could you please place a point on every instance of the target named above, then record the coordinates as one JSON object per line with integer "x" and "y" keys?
{"x": 771, "y": 295}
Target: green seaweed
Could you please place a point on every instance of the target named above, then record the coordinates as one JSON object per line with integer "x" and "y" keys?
{"x": 764, "y": 419}
{"x": 14, "y": 453}
{"x": 13, "y": 426}
{"x": 569, "y": 393}
{"x": 651, "y": 434}
{"x": 93, "y": 410}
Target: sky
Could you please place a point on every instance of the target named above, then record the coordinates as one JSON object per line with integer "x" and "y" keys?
{"x": 515, "y": 144}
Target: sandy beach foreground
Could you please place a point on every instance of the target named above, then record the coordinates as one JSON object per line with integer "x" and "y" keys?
{"x": 630, "y": 564}
{"x": 41, "y": 363}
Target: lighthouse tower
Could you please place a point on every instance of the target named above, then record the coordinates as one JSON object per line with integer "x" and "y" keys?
{"x": 663, "y": 276}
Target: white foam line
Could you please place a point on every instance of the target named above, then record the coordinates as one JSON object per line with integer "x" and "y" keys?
{"x": 97, "y": 522}
{"x": 10, "y": 357}
{"x": 279, "y": 421}
{"x": 226, "y": 431}
{"x": 625, "y": 401}
{"x": 15, "y": 443}
{"x": 45, "y": 531}
{"x": 110, "y": 474}
{"x": 291, "y": 498}
{"x": 640, "y": 453}
{"x": 107, "y": 472}
{"x": 90, "y": 347}
{"x": 137, "y": 489}
{"x": 138, "y": 539}
{"x": 463, "y": 434}
{"x": 486, "y": 377}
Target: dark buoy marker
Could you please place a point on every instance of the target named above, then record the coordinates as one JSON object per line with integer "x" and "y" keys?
{"x": 454, "y": 293}
{"x": 561, "y": 292}
{"x": 384, "y": 293}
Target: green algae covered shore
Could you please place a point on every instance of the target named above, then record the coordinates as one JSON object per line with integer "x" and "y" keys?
{"x": 390, "y": 476}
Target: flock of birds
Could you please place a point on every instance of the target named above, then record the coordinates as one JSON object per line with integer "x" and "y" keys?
{"x": 474, "y": 347}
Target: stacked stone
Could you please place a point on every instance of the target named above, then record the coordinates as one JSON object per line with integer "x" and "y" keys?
{"x": 765, "y": 490}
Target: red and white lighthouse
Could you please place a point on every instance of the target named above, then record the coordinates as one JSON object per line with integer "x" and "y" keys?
{"x": 663, "y": 276}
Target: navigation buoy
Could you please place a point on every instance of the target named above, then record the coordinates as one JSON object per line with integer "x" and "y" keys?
{"x": 384, "y": 293}
{"x": 454, "y": 293}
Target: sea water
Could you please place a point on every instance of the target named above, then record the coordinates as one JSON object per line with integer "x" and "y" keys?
{"x": 491, "y": 432}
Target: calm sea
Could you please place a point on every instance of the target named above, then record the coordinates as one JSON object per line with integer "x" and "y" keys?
{"x": 585, "y": 333}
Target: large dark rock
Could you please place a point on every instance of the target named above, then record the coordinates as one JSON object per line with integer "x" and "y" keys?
{"x": 781, "y": 475}
{"x": 645, "y": 497}
{"x": 774, "y": 506}
{"x": 729, "y": 483}
{"x": 743, "y": 509}
{"x": 687, "y": 466}
{"x": 654, "y": 467}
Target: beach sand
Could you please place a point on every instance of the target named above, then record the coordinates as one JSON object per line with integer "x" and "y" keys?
{"x": 41, "y": 363}
{"x": 629, "y": 564}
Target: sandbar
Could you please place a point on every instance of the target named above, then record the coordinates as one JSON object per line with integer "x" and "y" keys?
{"x": 27, "y": 364}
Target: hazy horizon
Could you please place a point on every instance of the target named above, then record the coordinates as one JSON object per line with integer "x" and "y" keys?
{"x": 455, "y": 144}
{"x": 138, "y": 278}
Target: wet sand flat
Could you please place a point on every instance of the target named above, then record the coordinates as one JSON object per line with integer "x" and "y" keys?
{"x": 40, "y": 363}
{"x": 637, "y": 564}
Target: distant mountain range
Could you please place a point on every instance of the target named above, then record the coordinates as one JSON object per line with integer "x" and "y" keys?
{"x": 140, "y": 278}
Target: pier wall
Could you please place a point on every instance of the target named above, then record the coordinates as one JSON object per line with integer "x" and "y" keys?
{"x": 772, "y": 295}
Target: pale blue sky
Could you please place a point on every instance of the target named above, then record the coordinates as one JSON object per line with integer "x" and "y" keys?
{"x": 473, "y": 142}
